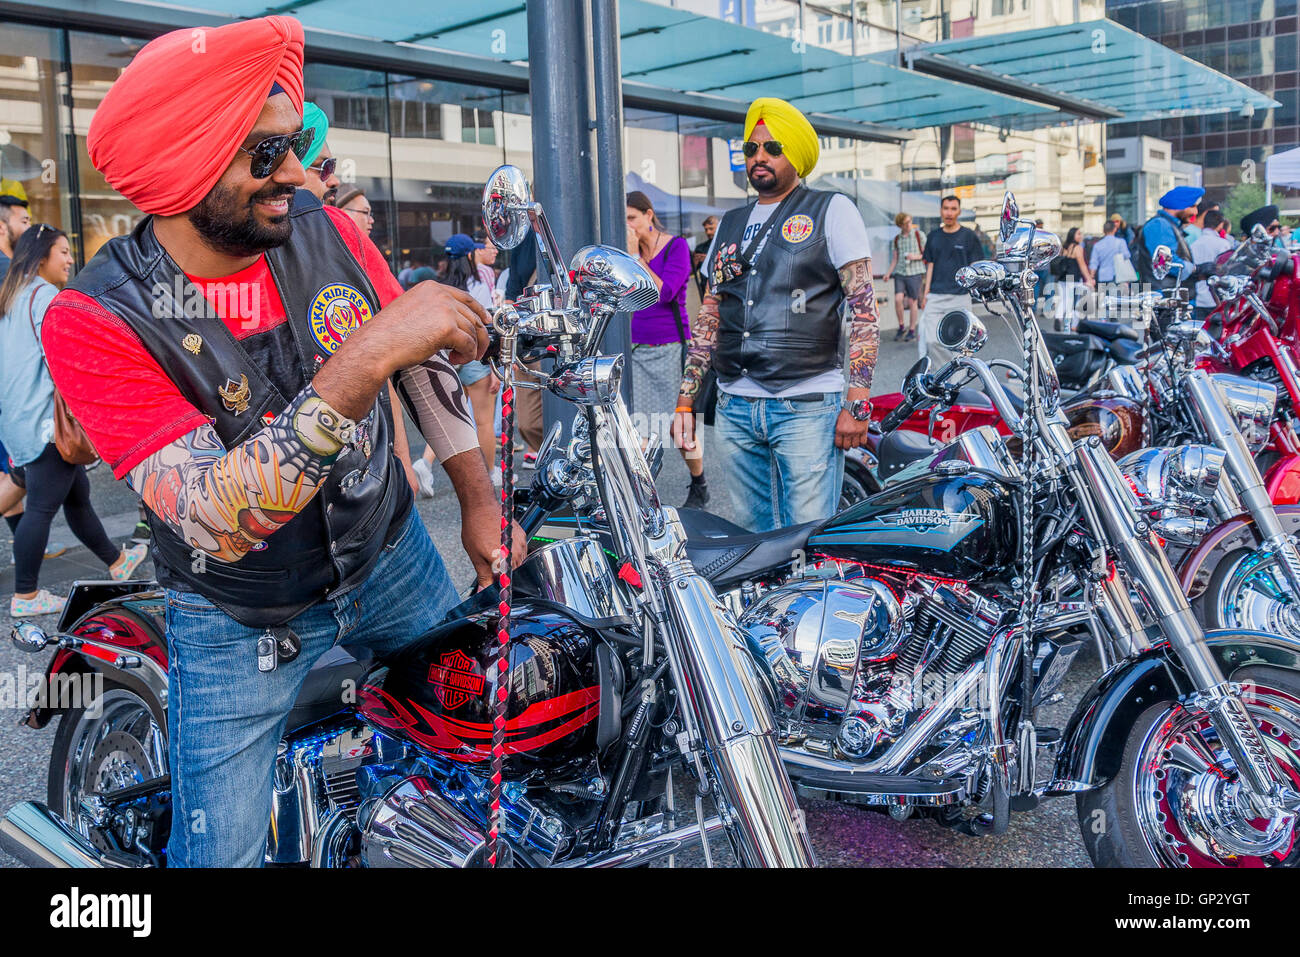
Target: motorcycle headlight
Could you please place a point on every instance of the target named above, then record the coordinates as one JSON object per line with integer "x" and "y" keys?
{"x": 1184, "y": 477}
{"x": 1251, "y": 404}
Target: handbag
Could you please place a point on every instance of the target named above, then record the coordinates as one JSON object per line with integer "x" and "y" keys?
{"x": 1124, "y": 271}
{"x": 69, "y": 437}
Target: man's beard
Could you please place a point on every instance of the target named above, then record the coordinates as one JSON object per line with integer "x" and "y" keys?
{"x": 773, "y": 184}
{"x": 331, "y": 194}
{"x": 230, "y": 228}
{"x": 12, "y": 234}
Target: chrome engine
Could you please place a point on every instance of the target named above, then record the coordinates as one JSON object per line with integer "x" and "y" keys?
{"x": 877, "y": 674}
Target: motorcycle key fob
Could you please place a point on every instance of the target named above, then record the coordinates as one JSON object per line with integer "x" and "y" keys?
{"x": 266, "y": 656}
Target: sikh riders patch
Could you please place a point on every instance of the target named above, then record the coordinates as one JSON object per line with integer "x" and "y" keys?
{"x": 797, "y": 228}
{"x": 335, "y": 312}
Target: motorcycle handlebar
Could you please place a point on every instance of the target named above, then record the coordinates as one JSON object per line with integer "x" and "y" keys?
{"x": 902, "y": 412}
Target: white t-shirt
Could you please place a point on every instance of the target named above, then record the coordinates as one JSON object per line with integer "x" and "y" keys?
{"x": 846, "y": 241}
{"x": 1206, "y": 249}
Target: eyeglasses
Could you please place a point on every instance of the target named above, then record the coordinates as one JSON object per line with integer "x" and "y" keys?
{"x": 270, "y": 152}
{"x": 771, "y": 148}
{"x": 326, "y": 168}
{"x": 364, "y": 212}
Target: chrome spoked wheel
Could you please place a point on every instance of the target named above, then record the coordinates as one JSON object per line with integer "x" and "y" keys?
{"x": 1189, "y": 803}
{"x": 1250, "y": 591}
{"x": 113, "y": 744}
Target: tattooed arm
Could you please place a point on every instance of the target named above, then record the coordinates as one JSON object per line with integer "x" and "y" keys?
{"x": 864, "y": 333}
{"x": 225, "y": 503}
{"x": 864, "y": 344}
{"x": 699, "y": 354}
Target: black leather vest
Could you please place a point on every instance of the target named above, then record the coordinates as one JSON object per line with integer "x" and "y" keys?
{"x": 332, "y": 544}
{"x": 780, "y": 321}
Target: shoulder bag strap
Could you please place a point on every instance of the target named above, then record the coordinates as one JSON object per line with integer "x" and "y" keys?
{"x": 756, "y": 244}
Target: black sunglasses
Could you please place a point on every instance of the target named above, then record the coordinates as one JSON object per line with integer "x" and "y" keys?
{"x": 326, "y": 168}
{"x": 270, "y": 152}
{"x": 1274, "y": 227}
{"x": 771, "y": 148}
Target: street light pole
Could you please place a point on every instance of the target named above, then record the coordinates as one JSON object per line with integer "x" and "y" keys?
{"x": 560, "y": 92}
{"x": 607, "y": 67}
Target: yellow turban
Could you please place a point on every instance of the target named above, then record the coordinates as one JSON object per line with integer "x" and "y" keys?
{"x": 789, "y": 127}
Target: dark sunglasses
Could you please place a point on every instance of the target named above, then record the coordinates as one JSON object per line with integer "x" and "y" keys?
{"x": 771, "y": 148}
{"x": 326, "y": 168}
{"x": 270, "y": 152}
{"x": 1274, "y": 227}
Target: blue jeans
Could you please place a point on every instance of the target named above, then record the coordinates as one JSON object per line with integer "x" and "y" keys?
{"x": 226, "y": 718}
{"x": 784, "y": 466}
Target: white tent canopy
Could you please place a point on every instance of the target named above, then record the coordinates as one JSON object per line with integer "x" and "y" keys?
{"x": 1281, "y": 169}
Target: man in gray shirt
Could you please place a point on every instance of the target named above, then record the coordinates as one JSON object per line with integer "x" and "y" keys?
{"x": 1104, "y": 253}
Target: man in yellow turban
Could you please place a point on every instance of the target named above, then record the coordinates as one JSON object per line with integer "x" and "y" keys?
{"x": 781, "y": 271}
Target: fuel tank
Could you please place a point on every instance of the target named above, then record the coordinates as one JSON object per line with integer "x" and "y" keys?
{"x": 961, "y": 526}
{"x": 436, "y": 693}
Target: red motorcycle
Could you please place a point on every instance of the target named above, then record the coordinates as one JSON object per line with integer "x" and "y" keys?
{"x": 1258, "y": 310}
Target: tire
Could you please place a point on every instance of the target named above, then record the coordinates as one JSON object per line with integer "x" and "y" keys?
{"x": 859, "y": 484}
{"x": 1114, "y": 827}
{"x": 138, "y": 753}
{"x": 1229, "y": 602}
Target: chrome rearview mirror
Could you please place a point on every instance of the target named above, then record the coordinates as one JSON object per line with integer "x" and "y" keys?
{"x": 1259, "y": 235}
{"x": 612, "y": 278}
{"x": 1010, "y": 213}
{"x": 1043, "y": 248}
{"x": 1162, "y": 260}
{"x": 962, "y": 333}
{"x": 506, "y": 200}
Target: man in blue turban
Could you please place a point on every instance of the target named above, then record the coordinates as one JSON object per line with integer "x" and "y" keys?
{"x": 1165, "y": 228}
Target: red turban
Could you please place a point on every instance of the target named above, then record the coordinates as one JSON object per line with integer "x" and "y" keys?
{"x": 173, "y": 121}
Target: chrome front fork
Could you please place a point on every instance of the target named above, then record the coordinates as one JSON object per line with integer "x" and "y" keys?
{"x": 727, "y": 715}
{"x": 1149, "y": 568}
{"x": 1246, "y": 480}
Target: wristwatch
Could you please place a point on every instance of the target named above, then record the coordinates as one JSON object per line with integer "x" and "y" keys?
{"x": 860, "y": 409}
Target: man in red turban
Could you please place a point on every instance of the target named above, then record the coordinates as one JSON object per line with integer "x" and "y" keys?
{"x": 203, "y": 356}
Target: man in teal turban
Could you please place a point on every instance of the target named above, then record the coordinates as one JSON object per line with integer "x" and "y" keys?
{"x": 322, "y": 180}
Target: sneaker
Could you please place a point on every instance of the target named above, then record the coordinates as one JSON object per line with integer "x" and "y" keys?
{"x": 899, "y": 334}
{"x": 424, "y": 475}
{"x": 698, "y": 496}
{"x": 43, "y": 604}
{"x": 140, "y": 535}
{"x": 54, "y": 550}
{"x": 530, "y": 460}
{"x": 134, "y": 556}
{"x": 911, "y": 336}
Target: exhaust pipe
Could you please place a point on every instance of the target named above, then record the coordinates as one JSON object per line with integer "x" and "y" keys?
{"x": 413, "y": 825}
{"x": 38, "y": 837}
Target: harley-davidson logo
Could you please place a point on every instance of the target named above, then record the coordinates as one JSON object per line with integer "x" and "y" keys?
{"x": 454, "y": 679}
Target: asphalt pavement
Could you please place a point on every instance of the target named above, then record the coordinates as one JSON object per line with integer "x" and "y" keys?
{"x": 844, "y": 836}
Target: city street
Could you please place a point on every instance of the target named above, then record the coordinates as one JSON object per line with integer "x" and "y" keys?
{"x": 844, "y": 836}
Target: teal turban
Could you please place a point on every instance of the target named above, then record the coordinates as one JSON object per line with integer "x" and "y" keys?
{"x": 313, "y": 117}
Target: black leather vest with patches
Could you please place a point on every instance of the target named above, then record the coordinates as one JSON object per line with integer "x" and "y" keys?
{"x": 333, "y": 543}
{"x": 779, "y": 321}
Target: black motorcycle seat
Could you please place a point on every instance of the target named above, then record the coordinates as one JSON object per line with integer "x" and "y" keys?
{"x": 1106, "y": 330}
{"x": 701, "y": 524}
{"x": 727, "y": 560}
{"x": 323, "y": 691}
{"x": 901, "y": 448}
{"x": 973, "y": 397}
{"x": 1125, "y": 351}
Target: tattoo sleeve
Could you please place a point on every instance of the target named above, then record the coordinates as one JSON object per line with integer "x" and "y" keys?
{"x": 699, "y": 354}
{"x": 225, "y": 503}
{"x": 433, "y": 394}
{"x": 864, "y": 333}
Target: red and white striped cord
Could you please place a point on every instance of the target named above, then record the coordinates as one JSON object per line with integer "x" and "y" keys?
{"x": 501, "y": 681}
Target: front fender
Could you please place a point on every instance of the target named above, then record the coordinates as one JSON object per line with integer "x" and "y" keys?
{"x": 1195, "y": 568}
{"x": 1283, "y": 481}
{"x": 1093, "y": 743}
